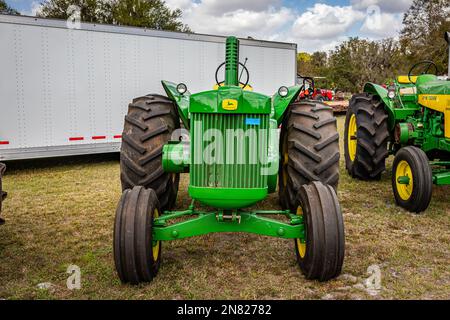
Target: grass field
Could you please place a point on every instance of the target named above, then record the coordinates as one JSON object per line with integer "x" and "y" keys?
{"x": 60, "y": 212}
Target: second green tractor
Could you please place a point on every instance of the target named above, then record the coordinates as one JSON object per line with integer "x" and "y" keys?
{"x": 410, "y": 119}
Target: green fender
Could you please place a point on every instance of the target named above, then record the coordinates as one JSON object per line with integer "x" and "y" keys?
{"x": 382, "y": 92}
{"x": 182, "y": 101}
{"x": 280, "y": 103}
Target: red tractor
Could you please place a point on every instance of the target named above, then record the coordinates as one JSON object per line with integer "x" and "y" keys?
{"x": 309, "y": 91}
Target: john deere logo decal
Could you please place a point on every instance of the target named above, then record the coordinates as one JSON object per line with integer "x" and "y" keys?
{"x": 229, "y": 104}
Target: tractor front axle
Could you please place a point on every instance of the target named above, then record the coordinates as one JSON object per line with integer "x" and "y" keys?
{"x": 227, "y": 221}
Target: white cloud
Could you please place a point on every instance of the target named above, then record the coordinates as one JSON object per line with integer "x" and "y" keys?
{"x": 325, "y": 22}
{"x": 386, "y": 6}
{"x": 383, "y": 25}
{"x": 217, "y": 7}
{"x": 318, "y": 27}
{"x": 261, "y": 19}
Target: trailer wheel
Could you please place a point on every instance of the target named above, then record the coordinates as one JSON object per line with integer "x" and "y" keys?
{"x": 149, "y": 125}
{"x": 309, "y": 148}
{"x": 321, "y": 256}
{"x": 412, "y": 179}
{"x": 137, "y": 257}
{"x": 2, "y": 193}
{"x": 366, "y": 137}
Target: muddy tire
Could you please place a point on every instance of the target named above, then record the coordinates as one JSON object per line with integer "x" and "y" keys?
{"x": 366, "y": 148}
{"x": 414, "y": 196}
{"x": 309, "y": 148}
{"x": 149, "y": 125}
{"x": 321, "y": 256}
{"x": 136, "y": 256}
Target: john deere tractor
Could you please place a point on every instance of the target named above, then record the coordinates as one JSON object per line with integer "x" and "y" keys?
{"x": 409, "y": 119}
{"x": 231, "y": 149}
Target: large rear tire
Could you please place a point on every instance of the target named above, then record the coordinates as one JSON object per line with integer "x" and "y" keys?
{"x": 309, "y": 147}
{"x": 137, "y": 257}
{"x": 149, "y": 125}
{"x": 321, "y": 256}
{"x": 366, "y": 137}
{"x": 414, "y": 194}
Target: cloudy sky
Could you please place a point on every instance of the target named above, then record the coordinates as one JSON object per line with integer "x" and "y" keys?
{"x": 313, "y": 25}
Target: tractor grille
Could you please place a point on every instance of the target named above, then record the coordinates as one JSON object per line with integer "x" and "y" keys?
{"x": 231, "y": 169}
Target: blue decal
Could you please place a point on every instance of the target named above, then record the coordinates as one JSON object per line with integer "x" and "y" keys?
{"x": 252, "y": 122}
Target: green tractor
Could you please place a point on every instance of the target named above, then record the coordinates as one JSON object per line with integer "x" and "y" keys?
{"x": 409, "y": 119}
{"x": 234, "y": 156}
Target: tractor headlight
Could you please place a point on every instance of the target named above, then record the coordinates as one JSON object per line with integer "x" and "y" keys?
{"x": 181, "y": 88}
{"x": 283, "y": 91}
{"x": 391, "y": 92}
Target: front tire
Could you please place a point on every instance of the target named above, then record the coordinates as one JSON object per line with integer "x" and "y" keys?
{"x": 366, "y": 137}
{"x": 412, "y": 179}
{"x": 321, "y": 256}
{"x": 137, "y": 257}
{"x": 309, "y": 147}
{"x": 149, "y": 125}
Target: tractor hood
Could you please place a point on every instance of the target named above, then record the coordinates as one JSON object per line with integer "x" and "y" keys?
{"x": 231, "y": 100}
{"x": 440, "y": 87}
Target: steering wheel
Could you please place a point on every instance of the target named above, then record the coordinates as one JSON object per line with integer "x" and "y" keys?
{"x": 242, "y": 83}
{"x": 425, "y": 62}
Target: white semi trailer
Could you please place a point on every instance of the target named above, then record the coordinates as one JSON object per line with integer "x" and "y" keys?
{"x": 65, "y": 91}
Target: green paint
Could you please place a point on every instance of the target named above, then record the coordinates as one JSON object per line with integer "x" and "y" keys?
{"x": 404, "y": 180}
{"x": 232, "y": 62}
{"x": 227, "y": 198}
{"x": 280, "y": 104}
{"x": 181, "y": 101}
{"x": 176, "y": 157}
{"x": 212, "y": 101}
{"x": 442, "y": 178}
{"x": 250, "y": 222}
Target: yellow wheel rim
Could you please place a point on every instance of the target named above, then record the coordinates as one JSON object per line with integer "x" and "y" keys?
{"x": 351, "y": 138}
{"x": 301, "y": 246}
{"x": 404, "y": 170}
{"x": 156, "y": 246}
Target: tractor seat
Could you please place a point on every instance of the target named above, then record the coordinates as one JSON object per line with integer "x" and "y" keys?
{"x": 405, "y": 80}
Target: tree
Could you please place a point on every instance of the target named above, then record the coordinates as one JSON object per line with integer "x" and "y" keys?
{"x": 152, "y": 14}
{"x": 358, "y": 61}
{"x": 147, "y": 13}
{"x": 4, "y": 8}
{"x": 304, "y": 65}
{"x": 94, "y": 11}
{"x": 422, "y": 36}
{"x": 312, "y": 64}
